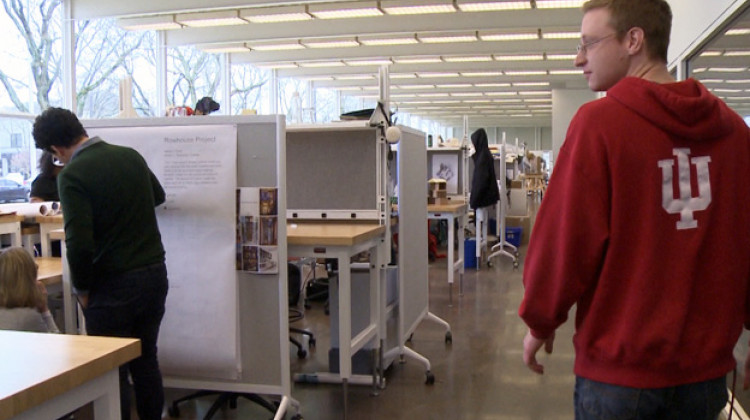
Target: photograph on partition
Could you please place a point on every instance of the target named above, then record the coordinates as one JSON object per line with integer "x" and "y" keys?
{"x": 248, "y": 230}
{"x": 268, "y": 201}
{"x": 269, "y": 230}
{"x": 446, "y": 167}
{"x": 267, "y": 259}
{"x": 250, "y": 258}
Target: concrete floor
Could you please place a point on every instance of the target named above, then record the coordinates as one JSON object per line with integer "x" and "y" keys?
{"x": 479, "y": 376}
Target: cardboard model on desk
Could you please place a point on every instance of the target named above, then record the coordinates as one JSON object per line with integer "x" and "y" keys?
{"x": 210, "y": 338}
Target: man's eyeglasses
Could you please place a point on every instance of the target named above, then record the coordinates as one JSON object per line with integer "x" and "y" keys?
{"x": 584, "y": 46}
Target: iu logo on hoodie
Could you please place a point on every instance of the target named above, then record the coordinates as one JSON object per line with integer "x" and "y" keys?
{"x": 685, "y": 205}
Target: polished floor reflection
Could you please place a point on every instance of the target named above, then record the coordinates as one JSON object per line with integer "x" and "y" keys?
{"x": 479, "y": 376}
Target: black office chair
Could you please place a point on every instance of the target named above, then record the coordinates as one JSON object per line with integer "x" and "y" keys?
{"x": 224, "y": 398}
{"x": 294, "y": 282}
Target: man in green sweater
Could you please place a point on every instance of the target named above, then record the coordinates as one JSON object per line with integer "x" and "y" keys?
{"x": 114, "y": 249}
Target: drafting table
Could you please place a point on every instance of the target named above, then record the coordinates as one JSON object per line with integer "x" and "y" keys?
{"x": 342, "y": 240}
{"x": 69, "y": 305}
{"x": 49, "y": 270}
{"x": 456, "y": 210}
{"x": 47, "y": 224}
{"x": 10, "y": 224}
{"x": 46, "y": 376}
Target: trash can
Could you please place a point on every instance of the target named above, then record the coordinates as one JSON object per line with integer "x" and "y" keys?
{"x": 470, "y": 253}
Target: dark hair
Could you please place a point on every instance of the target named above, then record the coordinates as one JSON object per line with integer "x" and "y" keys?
{"x": 57, "y": 127}
{"x": 653, "y": 16}
{"x": 46, "y": 167}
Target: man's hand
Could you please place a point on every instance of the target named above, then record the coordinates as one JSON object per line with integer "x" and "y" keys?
{"x": 531, "y": 346}
{"x": 83, "y": 300}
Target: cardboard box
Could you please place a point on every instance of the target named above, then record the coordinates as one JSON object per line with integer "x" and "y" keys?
{"x": 516, "y": 183}
{"x": 524, "y": 223}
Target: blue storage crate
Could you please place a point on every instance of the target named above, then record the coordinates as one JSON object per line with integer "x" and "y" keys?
{"x": 513, "y": 235}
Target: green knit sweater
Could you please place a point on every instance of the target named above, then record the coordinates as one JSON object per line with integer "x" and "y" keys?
{"x": 108, "y": 195}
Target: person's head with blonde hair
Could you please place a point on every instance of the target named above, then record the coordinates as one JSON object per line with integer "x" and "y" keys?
{"x": 18, "y": 271}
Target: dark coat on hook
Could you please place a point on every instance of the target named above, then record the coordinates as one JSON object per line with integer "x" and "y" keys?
{"x": 484, "y": 191}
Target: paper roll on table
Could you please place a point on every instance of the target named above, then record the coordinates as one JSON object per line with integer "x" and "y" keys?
{"x": 46, "y": 208}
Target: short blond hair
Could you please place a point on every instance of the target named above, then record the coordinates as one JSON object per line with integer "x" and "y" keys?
{"x": 18, "y": 273}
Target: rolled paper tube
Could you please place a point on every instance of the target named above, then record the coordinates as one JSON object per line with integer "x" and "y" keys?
{"x": 26, "y": 209}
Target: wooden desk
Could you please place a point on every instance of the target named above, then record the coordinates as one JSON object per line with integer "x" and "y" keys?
{"x": 456, "y": 210}
{"x": 47, "y": 224}
{"x": 46, "y": 376}
{"x": 10, "y": 224}
{"x": 343, "y": 240}
{"x": 50, "y": 271}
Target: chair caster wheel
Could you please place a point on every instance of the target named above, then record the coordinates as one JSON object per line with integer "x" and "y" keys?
{"x": 301, "y": 353}
{"x": 448, "y": 338}
{"x": 430, "y": 378}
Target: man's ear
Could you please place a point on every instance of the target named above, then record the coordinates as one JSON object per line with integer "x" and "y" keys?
{"x": 635, "y": 40}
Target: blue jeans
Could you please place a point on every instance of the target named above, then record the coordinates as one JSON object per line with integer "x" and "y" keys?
{"x": 698, "y": 401}
{"x": 132, "y": 305}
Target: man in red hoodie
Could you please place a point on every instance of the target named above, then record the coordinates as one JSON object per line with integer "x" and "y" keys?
{"x": 644, "y": 227}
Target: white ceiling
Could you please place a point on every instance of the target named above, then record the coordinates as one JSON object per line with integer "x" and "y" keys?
{"x": 494, "y": 92}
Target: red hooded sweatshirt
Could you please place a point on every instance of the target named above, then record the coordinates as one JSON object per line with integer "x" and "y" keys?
{"x": 645, "y": 227}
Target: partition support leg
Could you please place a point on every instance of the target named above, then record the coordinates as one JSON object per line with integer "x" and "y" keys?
{"x": 345, "y": 387}
{"x": 375, "y": 371}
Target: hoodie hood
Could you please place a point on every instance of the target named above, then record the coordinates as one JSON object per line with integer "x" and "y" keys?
{"x": 480, "y": 142}
{"x": 685, "y": 109}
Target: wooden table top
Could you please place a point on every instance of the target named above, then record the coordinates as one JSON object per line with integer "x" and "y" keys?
{"x": 57, "y": 234}
{"x": 11, "y": 218}
{"x": 332, "y": 234}
{"x": 58, "y": 218}
{"x": 452, "y": 207}
{"x": 36, "y": 367}
{"x": 50, "y": 270}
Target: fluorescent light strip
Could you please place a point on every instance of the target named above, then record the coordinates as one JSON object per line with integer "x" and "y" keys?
{"x": 486, "y": 6}
{"x": 435, "y": 75}
{"x": 224, "y": 49}
{"x": 444, "y": 39}
{"x": 559, "y": 4}
{"x": 467, "y": 59}
{"x": 417, "y": 8}
{"x": 736, "y": 53}
{"x": 455, "y": 86}
{"x": 417, "y": 60}
{"x": 528, "y": 84}
{"x": 276, "y": 47}
{"x": 209, "y": 19}
{"x": 737, "y": 81}
{"x": 432, "y": 95}
{"x": 561, "y": 35}
{"x": 507, "y": 37}
{"x": 710, "y": 53}
{"x": 491, "y": 84}
{"x": 415, "y": 87}
{"x": 501, "y": 93}
{"x": 388, "y": 41}
{"x": 525, "y": 72}
{"x": 275, "y": 14}
{"x": 739, "y": 31}
{"x": 330, "y": 43}
{"x": 561, "y": 56}
{"x": 382, "y": 62}
{"x": 527, "y": 57}
{"x": 315, "y": 64}
{"x": 404, "y": 95}
{"x": 354, "y": 77}
{"x": 345, "y": 10}
{"x": 403, "y": 76}
{"x": 534, "y": 93}
{"x": 728, "y": 69}
{"x": 467, "y": 94}
{"x": 481, "y": 73}
{"x": 565, "y": 72}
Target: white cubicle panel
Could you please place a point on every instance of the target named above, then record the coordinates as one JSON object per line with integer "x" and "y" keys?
{"x": 412, "y": 229}
{"x": 223, "y": 329}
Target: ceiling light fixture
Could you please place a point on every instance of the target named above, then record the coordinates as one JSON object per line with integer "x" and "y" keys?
{"x": 330, "y": 42}
{"x": 559, "y": 4}
{"x": 208, "y": 19}
{"x": 491, "y": 5}
{"x": 527, "y": 57}
{"x": 445, "y": 37}
{"x": 318, "y": 64}
{"x": 417, "y": 7}
{"x": 345, "y": 10}
{"x": 417, "y": 60}
{"x": 387, "y": 40}
{"x": 429, "y": 75}
{"x": 275, "y": 46}
{"x": 507, "y": 36}
{"x": 371, "y": 62}
{"x": 149, "y": 23}
{"x": 467, "y": 59}
{"x": 224, "y": 48}
{"x": 275, "y": 14}
{"x": 561, "y": 35}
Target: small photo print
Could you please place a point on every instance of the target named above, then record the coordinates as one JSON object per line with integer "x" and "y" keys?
{"x": 250, "y": 258}
{"x": 269, "y": 230}
{"x": 268, "y": 257}
{"x": 268, "y": 201}
{"x": 249, "y": 230}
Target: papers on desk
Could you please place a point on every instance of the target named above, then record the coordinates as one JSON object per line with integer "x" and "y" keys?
{"x": 257, "y": 230}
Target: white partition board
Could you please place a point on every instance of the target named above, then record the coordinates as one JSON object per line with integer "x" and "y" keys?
{"x": 412, "y": 227}
{"x": 223, "y": 329}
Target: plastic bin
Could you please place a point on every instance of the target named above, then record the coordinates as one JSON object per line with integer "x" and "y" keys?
{"x": 470, "y": 253}
{"x": 513, "y": 235}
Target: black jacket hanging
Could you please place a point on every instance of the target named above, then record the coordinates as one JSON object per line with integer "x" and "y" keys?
{"x": 484, "y": 191}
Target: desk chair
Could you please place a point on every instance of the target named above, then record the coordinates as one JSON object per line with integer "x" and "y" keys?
{"x": 223, "y": 398}
{"x": 294, "y": 281}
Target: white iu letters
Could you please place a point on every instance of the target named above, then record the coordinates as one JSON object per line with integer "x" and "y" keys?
{"x": 686, "y": 204}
